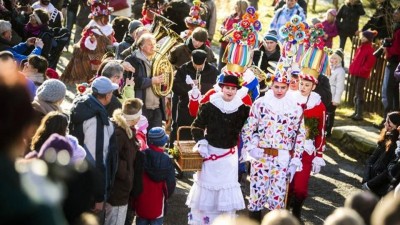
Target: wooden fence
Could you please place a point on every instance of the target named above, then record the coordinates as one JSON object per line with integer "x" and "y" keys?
{"x": 373, "y": 87}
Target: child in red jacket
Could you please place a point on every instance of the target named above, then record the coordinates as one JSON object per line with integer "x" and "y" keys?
{"x": 154, "y": 179}
{"x": 361, "y": 66}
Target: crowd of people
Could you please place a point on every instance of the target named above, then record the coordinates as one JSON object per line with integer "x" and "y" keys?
{"x": 263, "y": 110}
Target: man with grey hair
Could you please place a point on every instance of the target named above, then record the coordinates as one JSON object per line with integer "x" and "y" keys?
{"x": 114, "y": 70}
{"x": 19, "y": 50}
{"x": 141, "y": 59}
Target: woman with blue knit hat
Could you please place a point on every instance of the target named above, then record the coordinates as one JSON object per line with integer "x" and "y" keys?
{"x": 154, "y": 179}
{"x": 216, "y": 189}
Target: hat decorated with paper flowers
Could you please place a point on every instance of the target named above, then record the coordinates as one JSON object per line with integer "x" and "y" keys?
{"x": 243, "y": 39}
{"x": 99, "y": 8}
{"x": 315, "y": 60}
{"x": 294, "y": 34}
{"x": 195, "y": 13}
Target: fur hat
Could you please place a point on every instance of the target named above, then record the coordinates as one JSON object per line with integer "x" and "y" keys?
{"x": 157, "y": 136}
{"x": 199, "y": 56}
{"x": 52, "y": 90}
{"x": 370, "y": 34}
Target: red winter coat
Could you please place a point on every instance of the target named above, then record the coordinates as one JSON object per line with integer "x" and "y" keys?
{"x": 363, "y": 61}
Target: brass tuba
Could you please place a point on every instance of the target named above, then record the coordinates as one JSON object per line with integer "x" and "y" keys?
{"x": 160, "y": 26}
{"x": 259, "y": 73}
{"x": 160, "y": 64}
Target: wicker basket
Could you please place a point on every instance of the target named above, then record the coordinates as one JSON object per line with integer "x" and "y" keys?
{"x": 187, "y": 160}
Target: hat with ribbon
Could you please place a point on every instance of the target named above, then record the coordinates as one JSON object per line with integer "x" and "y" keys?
{"x": 231, "y": 81}
{"x": 99, "y": 8}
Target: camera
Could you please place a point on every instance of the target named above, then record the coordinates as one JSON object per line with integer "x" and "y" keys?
{"x": 387, "y": 42}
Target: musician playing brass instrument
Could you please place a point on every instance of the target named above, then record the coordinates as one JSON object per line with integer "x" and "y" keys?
{"x": 197, "y": 72}
{"x": 141, "y": 60}
{"x": 268, "y": 52}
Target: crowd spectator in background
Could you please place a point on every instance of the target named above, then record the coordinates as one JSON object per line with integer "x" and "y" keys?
{"x": 16, "y": 118}
{"x": 330, "y": 27}
{"x": 344, "y": 216}
{"x": 38, "y": 26}
{"x": 385, "y": 151}
{"x": 284, "y": 14}
{"x": 347, "y": 20}
{"x": 176, "y": 11}
{"x": 381, "y": 20}
{"x": 35, "y": 68}
{"x": 390, "y": 86}
{"x": 227, "y": 25}
{"x": 387, "y": 212}
{"x": 364, "y": 203}
{"x": 361, "y": 67}
{"x": 124, "y": 120}
{"x": 336, "y": 81}
{"x": 279, "y": 217}
{"x": 49, "y": 97}
{"x": 19, "y": 51}
{"x": 281, "y": 3}
{"x": 55, "y": 16}
{"x": 129, "y": 38}
{"x": 269, "y": 52}
{"x": 91, "y": 125}
{"x": 120, "y": 26}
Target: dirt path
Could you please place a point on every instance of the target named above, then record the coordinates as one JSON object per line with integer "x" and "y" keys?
{"x": 328, "y": 190}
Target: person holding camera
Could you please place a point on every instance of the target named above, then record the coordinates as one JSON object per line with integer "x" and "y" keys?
{"x": 390, "y": 86}
{"x": 19, "y": 50}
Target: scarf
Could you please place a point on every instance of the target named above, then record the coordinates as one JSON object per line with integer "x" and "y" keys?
{"x": 44, "y": 107}
{"x": 33, "y": 31}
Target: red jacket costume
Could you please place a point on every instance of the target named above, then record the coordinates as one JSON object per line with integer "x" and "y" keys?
{"x": 363, "y": 61}
{"x": 315, "y": 109}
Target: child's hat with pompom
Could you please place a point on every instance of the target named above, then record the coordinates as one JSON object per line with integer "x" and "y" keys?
{"x": 370, "y": 34}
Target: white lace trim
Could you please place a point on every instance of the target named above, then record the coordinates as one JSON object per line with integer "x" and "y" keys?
{"x": 314, "y": 100}
{"x": 284, "y": 104}
{"x": 226, "y": 107}
{"x": 106, "y": 29}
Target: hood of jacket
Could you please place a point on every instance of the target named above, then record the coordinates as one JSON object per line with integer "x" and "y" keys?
{"x": 86, "y": 107}
{"x": 157, "y": 165}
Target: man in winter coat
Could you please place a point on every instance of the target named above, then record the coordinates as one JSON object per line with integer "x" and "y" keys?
{"x": 91, "y": 125}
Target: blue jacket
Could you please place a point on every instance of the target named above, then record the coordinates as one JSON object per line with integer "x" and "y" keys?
{"x": 19, "y": 50}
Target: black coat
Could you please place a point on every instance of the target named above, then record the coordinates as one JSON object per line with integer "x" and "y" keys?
{"x": 348, "y": 18}
{"x": 180, "y": 88}
{"x": 222, "y": 129}
{"x": 381, "y": 20}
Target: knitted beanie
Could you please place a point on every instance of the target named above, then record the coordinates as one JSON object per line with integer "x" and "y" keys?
{"x": 52, "y": 90}
{"x": 370, "y": 34}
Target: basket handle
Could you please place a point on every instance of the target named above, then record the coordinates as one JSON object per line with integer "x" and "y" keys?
{"x": 179, "y": 131}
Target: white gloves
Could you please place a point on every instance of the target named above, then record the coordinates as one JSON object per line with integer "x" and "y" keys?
{"x": 292, "y": 171}
{"x": 256, "y": 153}
{"x": 317, "y": 163}
{"x": 202, "y": 147}
{"x": 195, "y": 93}
{"x": 189, "y": 80}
